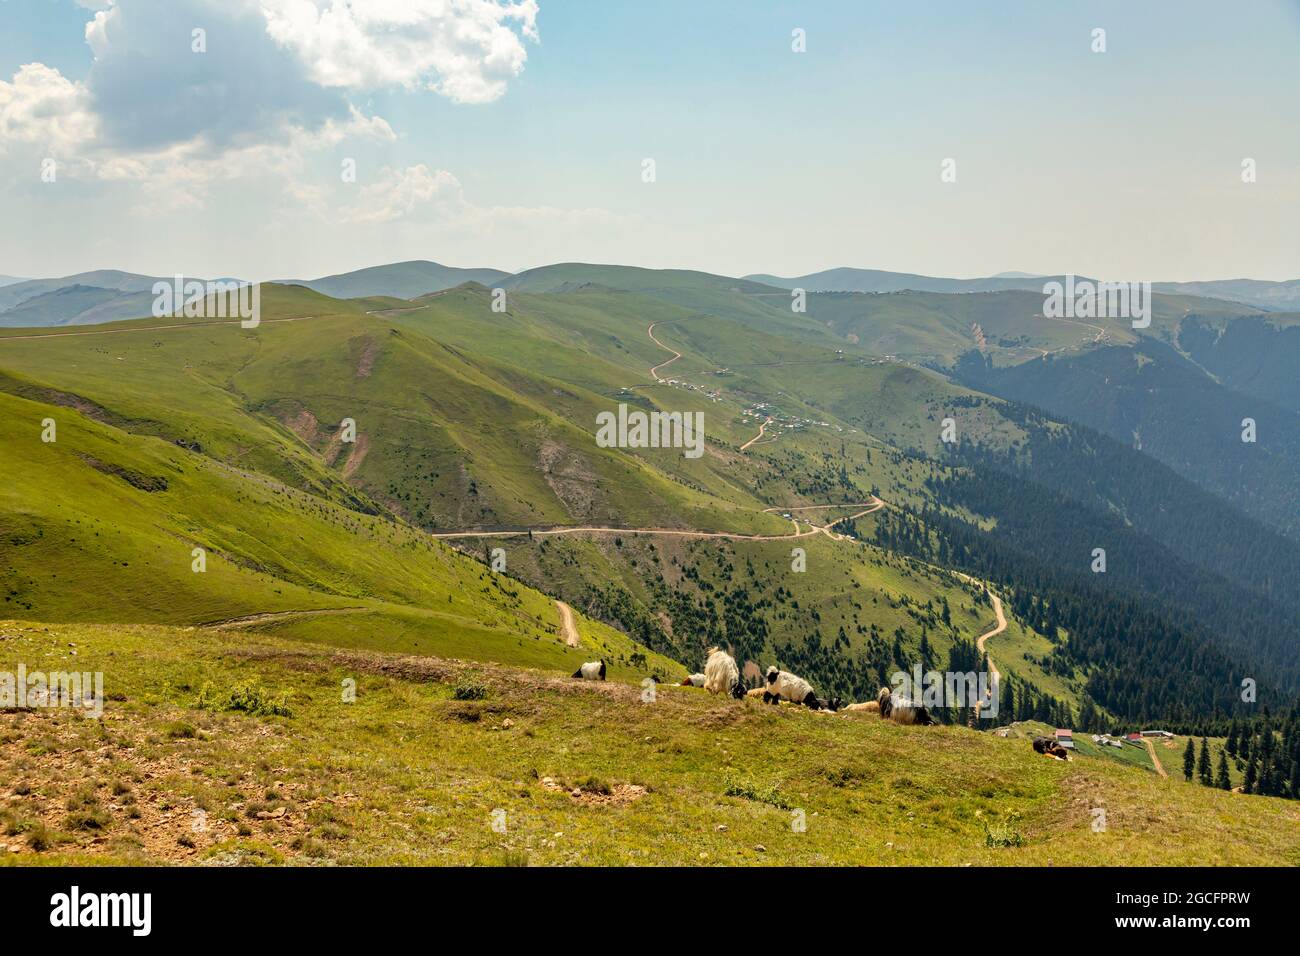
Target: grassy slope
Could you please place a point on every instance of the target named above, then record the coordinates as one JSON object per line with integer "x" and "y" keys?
{"x": 407, "y": 774}
{"x": 85, "y": 542}
{"x": 459, "y": 429}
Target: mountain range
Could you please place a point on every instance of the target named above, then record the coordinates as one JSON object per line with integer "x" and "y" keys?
{"x": 472, "y": 421}
{"x": 1273, "y": 296}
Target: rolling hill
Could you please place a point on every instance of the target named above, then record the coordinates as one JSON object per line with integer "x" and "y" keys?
{"x": 402, "y": 280}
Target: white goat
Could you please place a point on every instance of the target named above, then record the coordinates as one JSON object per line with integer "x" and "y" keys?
{"x": 721, "y": 675}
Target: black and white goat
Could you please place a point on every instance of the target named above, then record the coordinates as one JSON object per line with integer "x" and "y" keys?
{"x": 592, "y": 670}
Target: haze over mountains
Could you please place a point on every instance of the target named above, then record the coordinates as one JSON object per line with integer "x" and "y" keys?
{"x": 1274, "y": 296}
{"x": 108, "y": 295}
{"x": 82, "y": 299}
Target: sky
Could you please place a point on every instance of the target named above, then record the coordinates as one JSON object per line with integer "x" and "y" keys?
{"x": 301, "y": 138}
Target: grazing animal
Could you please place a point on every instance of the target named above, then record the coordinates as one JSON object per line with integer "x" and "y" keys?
{"x": 695, "y": 680}
{"x": 592, "y": 670}
{"x": 903, "y": 710}
{"x": 867, "y": 707}
{"x": 1049, "y": 747}
{"x": 756, "y": 692}
{"x": 721, "y": 675}
{"x": 782, "y": 685}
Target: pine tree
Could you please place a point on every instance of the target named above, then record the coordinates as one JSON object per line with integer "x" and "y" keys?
{"x": 1223, "y": 781}
{"x": 1189, "y": 759}
{"x": 1087, "y": 714}
{"x": 1203, "y": 763}
{"x": 1230, "y": 745}
{"x": 1252, "y": 772}
{"x": 927, "y": 655}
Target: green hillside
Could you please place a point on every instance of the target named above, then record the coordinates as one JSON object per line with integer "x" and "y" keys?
{"x": 458, "y": 427}
{"x": 474, "y": 430}
{"x": 217, "y": 748}
{"x": 101, "y": 525}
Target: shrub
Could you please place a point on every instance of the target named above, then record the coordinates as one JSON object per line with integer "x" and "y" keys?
{"x": 470, "y": 689}
{"x": 181, "y": 730}
{"x": 771, "y": 794}
{"x": 595, "y": 785}
{"x": 252, "y": 699}
{"x": 1004, "y": 834}
{"x": 40, "y": 837}
{"x": 91, "y": 818}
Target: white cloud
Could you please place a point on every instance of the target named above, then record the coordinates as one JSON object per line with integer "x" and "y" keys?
{"x": 400, "y": 192}
{"x": 43, "y": 108}
{"x": 466, "y": 50}
{"x": 250, "y": 133}
{"x": 273, "y": 71}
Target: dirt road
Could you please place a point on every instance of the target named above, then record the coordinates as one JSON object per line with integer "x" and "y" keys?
{"x": 567, "y": 624}
{"x": 676, "y": 354}
{"x": 1155, "y": 758}
{"x": 982, "y": 641}
{"x": 813, "y": 529}
{"x": 273, "y": 617}
{"x": 761, "y": 430}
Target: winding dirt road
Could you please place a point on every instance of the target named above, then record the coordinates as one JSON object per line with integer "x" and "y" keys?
{"x": 761, "y": 430}
{"x": 654, "y": 372}
{"x": 676, "y": 354}
{"x": 982, "y": 641}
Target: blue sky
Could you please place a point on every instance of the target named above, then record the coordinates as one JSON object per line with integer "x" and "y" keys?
{"x": 513, "y": 134}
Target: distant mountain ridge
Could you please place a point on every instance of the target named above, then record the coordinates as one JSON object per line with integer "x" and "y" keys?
{"x": 1273, "y": 296}
{"x": 108, "y": 295}
{"x": 104, "y": 295}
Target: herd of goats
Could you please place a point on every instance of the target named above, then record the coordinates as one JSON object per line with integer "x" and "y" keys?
{"x": 722, "y": 676}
